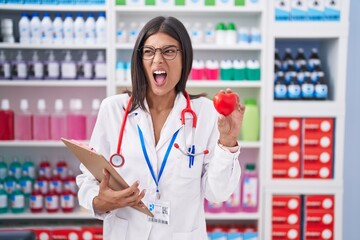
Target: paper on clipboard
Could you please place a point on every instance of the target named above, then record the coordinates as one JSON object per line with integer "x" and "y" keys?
{"x": 95, "y": 163}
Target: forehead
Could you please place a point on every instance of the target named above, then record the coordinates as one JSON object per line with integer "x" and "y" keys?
{"x": 161, "y": 39}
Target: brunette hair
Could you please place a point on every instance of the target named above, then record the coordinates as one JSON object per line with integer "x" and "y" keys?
{"x": 174, "y": 28}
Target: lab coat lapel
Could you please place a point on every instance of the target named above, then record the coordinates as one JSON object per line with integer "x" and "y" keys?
{"x": 143, "y": 120}
{"x": 173, "y": 122}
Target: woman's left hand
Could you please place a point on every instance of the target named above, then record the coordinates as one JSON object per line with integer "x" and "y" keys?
{"x": 229, "y": 126}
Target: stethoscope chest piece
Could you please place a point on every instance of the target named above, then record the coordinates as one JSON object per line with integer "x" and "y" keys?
{"x": 117, "y": 160}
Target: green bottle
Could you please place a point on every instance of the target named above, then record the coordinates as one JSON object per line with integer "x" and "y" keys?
{"x": 10, "y": 182}
{"x": 17, "y": 200}
{"x": 3, "y": 200}
{"x": 251, "y": 123}
{"x": 30, "y": 168}
{"x": 25, "y": 184}
{"x": 3, "y": 170}
{"x": 15, "y": 168}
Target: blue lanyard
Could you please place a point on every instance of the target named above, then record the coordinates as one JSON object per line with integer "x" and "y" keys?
{"x": 163, "y": 162}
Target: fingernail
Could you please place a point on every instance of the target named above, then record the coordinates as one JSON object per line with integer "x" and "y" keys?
{"x": 138, "y": 182}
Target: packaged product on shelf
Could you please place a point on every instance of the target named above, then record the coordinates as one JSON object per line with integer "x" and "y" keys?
{"x": 36, "y": 199}
{"x": 17, "y": 199}
{"x": 100, "y": 26}
{"x": 220, "y": 33}
{"x": 233, "y": 204}
{"x": 23, "y": 122}
{"x": 133, "y": 32}
{"x": 68, "y": 27}
{"x": 52, "y": 201}
{"x": 24, "y": 28}
{"x": 6, "y": 121}
{"x": 42, "y": 181}
{"x": 62, "y": 168}
{"x": 300, "y": 60}
{"x": 36, "y": 67}
{"x": 47, "y": 29}
{"x": 196, "y": 33}
{"x": 209, "y": 36}
{"x": 91, "y": 118}
{"x": 121, "y": 33}
{"x": 29, "y": 166}
{"x": 120, "y": 72}
{"x": 198, "y": 70}
{"x": 321, "y": 88}
{"x": 58, "y": 33}
{"x": 212, "y": 207}
{"x": 76, "y": 121}
{"x": 90, "y": 30}
{"x": 85, "y": 68}
{"x": 250, "y": 189}
{"x": 253, "y": 70}
{"x": 10, "y": 182}
{"x": 224, "y": 3}
{"x": 282, "y": 10}
{"x": 25, "y": 183}
{"x": 19, "y": 67}
{"x": 226, "y": 70}
{"x": 316, "y": 10}
{"x": 35, "y": 29}
{"x": 3, "y": 170}
{"x": 307, "y": 87}
{"x": 41, "y": 122}
{"x": 58, "y": 124}
{"x": 55, "y": 181}
{"x": 332, "y": 10}
{"x": 100, "y": 66}
{"x": 239, "y": 69}
{"x": 244, "y": 36}
{"x": 51, "y": 67}
{"x": 255, "y": 36}
{"x": 3, "y": 200}
{"x": 250, "y": 129}
{"x": 212, "y": 69}
{"x": 70, "y": 181}
{"x": 79, "y": 29}
{"x": 5, "y": 67}
{"x": 299, "y": 10}
{"x": 293, "y": 88}
{"x": 67, "y": 200}
{"x": 231, "y": 34}
{"x": 68, "y": 67}
{"x": 7, "y": 32}
{"x": 15, "y": 168}
{"x": 277, "y": 61}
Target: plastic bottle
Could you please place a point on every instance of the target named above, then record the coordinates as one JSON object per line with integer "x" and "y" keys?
{"x": 85, "y": 68}
{"x": 36, "y": 199}
{"x": 91, "y": 118}
{"x": 253, "y": 70}
{"x": 52, "y": 201}
{"x": 47, "y": 29}
{"x": 100, "y": 26}
{"x": 3, "y": 170}
{"x": 67, "y": 200}
{"x": 231, "y": 34}
{"x": 321, "y": 88}
{"x": 287, "y": 59}
{"x": 3, "y": 200}
{"x": 29, "y": 166}
{"x": 212, "y": 69}
{"x": 226, "y": 70}
{"x": 15, "y": 168}
{"x": 41, "y": 122}
{"x": 209, "y": 36}
{"x": 121, "y": 33}
{"x": 36, "y": 67}
{"x": 79, "y": 29}
{"x": 100, "y": 66}
{"x": 251, "y": 123}
{"x": 293, "y": 88}
{"x": 314, "y": 59}
{"x": 10, "y": 182}
{"x": 307, "y": 87}
{"x": 214, "y": 207}
{"x": 17, "y": 199}
{"x": 51, "y": 67}
{"x": 68, "y": 67}
{"x": 35, "y": 29}
{"x": 90, "y": 30}
{"x": 45, "y": 167}
{"x": 196, "y": 33}
{"x": 198, "y": 70}
{"x": 250, "y": 189}
{"x": 23, "y": 122}
{"x": 19, "y": 67}
{"x": 55, "y": 182}
{"x": 42, "y": 181}
{"x": 239, "y": 70}
{"x": 58, "y": 126}
{"x": 58, "y": 27}
{"x": 6, "y": 121}
{"x": 120, "y": 72}
{"x": 244, "y": 36}
{"x": 71, "y": 182}
{"x": 233, "y": 204}
{"x": 280, "y": 88}
{"x": 5, "y": 67}
{"x": 220, "y": 33}
{"x": 62, "y": 168}
{"x": 25, "y": 183}
{"x": 255, "y": 36}
{"x": 24, "y": 28}
{"x": 76, "y": 121}
{"x": 277, "y": 62}
{"x": 133, "y": 32}
{"x": 300, "y": 59}
{"x": 68, "y": 26}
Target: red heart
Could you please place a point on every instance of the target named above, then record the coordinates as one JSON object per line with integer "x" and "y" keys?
{"x": 225, "y": 103}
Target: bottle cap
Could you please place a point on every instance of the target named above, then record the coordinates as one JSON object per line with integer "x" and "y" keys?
{"x": 250, "y": 167}
{"x": 58, "y": 15}
{"x": 24, "y": 105}
{"x": 5, "y": 104}
{"x": 231, "y": 26}
{"x": 250, "y": 101}
{"x": 220, "y": 26}
{"x": 84, "y": 56}
{"x": 41, "y": 105}
{"x": 46, "y": 14}
{"x": 59, "y": 106}
{"x": 75, "y": 104}
{"x": 95, "y": 104}
{"x": 100, "y": 57}
{"x": 239, "y": 64}
{"x": 35, "y": 56}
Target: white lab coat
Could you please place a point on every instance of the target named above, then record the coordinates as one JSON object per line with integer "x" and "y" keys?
{"x": 214, "y": 176}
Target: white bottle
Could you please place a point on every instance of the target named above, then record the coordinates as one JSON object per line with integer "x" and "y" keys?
{"x": 36, "y": 67}
{"x": 90, "y": 32}
{"x": 196, "y": 33}
{"x": 35, "y": 29}
{"x": 120, "y": 72}
{"x": 41, "y": 122}
{"x": 58, "y": 34}
{"x": 244, "y": 36}
{"x": 58, "y": 121}
{"x": 46, "y": 29}
{"x": 85, "y": 68}
{"x": 121, "y": 33}
{"x": 19, "y": 67}
{"x": 133, "y": 32}
{"x": 79, "y": 29}
{"x": 68, "y": 29}
{"x": 255, "y": 36}
{"x": 68, "y": 67}
{"x": 100, "y": 66}
{"x": 51, "y": 67}
{"x": 101, "y": 28}
{"x": 5, "y": 67}
{"x": 209, "y": 36}
{"x": 231, "y": 34}
{"x": 24, "y": 28}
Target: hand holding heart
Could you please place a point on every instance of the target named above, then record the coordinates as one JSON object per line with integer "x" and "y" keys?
{"x": 230, "y": 118}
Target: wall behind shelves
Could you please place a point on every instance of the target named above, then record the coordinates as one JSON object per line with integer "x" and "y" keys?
{"x": 351, "y": 230}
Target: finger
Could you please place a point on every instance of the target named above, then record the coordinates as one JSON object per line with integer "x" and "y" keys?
{"x": 241, "y": 107}
{"x": 228, "y": 90}
{"x": 132, "y": 189}
{"x": 105, "y": 181}
{"x": 136, "y": 199}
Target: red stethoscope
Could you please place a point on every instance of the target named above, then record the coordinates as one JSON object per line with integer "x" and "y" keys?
{"x": 118, "y": 160}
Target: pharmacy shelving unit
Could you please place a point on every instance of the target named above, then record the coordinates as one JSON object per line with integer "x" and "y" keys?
{"x": 331, "y": 38}
{"x": 248, "y": 16}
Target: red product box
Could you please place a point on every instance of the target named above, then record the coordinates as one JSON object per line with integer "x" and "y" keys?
{"x": 319, "y": 202}
{"x": 318, "y": 171}
{"x": 42, "y": 233}
{"x": 323, "y": 125}
{"x": 286, "y": 139}
{"x": 286, "y": 170}
{"x": 319, "y": 140}
{"x": 291, "y": 203}
{"x": 287, "y": 125}
{"x": 285, "y": 217}
{"x": 317, "y": 233}
{"x": 94, "y": 233}
{"x": 319, "y": 218}
{"x": 287, "y": 154}
{"x": 317, "y": 155}
{"x": 285, "y": 232}
{"x": 66, "y": 233}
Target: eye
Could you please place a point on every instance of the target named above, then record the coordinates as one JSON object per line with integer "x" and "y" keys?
{"x": 170, "y": 50}
{"x": 148, "y": 51}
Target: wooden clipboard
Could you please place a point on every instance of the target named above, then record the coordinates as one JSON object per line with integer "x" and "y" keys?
{"x": 95, "y": 163}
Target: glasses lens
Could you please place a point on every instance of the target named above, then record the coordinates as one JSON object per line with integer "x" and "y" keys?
{"x": 148, "y": 53}
{"x": 169, "y": 53}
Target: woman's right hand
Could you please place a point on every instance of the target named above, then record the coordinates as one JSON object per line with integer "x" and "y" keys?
{"x": 108, "y": 199}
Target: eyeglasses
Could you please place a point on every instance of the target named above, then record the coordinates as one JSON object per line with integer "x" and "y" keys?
{"x": 168, "y": 52}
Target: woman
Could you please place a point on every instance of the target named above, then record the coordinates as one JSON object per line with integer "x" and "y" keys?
{"x": 161, "y": 62}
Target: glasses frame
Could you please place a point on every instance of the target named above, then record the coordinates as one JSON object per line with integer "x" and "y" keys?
{"x": 161, "y": 51}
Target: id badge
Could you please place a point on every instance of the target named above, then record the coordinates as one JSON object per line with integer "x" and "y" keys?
{"x": 161, "y": 212}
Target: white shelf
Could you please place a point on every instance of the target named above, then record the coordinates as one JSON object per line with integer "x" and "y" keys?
{"x": 232, "y": 216}
{"x": 236, "y": 47}
{"x": 46, "y": 215}
{"x": 304, "y": 185}
{"x": 17, "y": 143}
{"x": 45, "y": 7}
{"x": 312, "y": 30}
{"x": 213, "y": 84}
{"x": 53, "y": 83}
{"x": 51, "y": 46}
{"x": 307, "y": 108}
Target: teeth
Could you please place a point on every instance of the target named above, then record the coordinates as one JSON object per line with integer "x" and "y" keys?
{"x": 159, "y": 72}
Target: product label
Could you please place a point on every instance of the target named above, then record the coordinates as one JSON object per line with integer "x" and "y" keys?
{"x": 3, "y": 201}
{"x": 234, "y": 200}
{"x": 100, "y": 70}
{"x": 36, "y": 201}
{"x": 68, "y": 70}
{"x": 250, "y": 192}
{"x": 17, "y": 201}
{"x": 53, "y": 70}
{"x": 52, "y": 202}
{"x": 21, "y": 70}
{"x": 4, "y": 70}
{"x": 67, "y": 201}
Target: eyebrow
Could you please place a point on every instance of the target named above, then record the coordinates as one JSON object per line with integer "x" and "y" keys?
{"x": 165, "y": 46}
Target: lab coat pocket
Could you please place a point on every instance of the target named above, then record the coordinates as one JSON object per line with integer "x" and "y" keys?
{"x": 194, "y": 235}
{"x": 188, "y": 170}
{"x": 115, "y": 228}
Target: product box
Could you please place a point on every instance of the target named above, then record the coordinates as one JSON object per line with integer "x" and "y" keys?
{"x": 290, "y": 203}
{"x": 42, "y": 233}
{"x": 285, "y": 217}
{"x": 285, "y": 232}
{"x": 318, "y": 140}
{"x": 286, "y": 154}
{"x": 317, "y": 171}
{"x": 92, "y": 232}
{"x": 282, "y": 10}
{"x": 318, "y": 233}
{"x": 319, "y": 202}
{"x": 319, "y": 218}
{"x": 286, "y": 170}
{"x": 298, "y": 10}
{"x": 288, "y": 124}
{"x": 315, "y": 10}
{"x": 332, "y": 10}
{"x": 66, "y": 233}
{"x": 317, "y": 155}
{"x": 319, "y": 125}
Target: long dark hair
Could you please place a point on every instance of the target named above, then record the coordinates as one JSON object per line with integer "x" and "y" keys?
{"x": 176, "y": 30}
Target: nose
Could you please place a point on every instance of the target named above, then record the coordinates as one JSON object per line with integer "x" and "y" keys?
{"x": 158, "y": 57}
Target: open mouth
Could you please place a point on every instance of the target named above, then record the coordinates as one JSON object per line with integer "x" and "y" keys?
{"x": 160, "y": 77}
